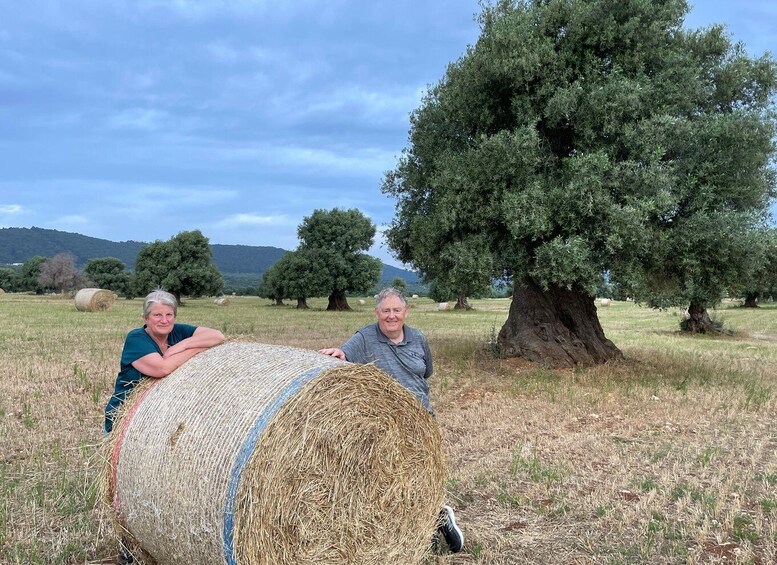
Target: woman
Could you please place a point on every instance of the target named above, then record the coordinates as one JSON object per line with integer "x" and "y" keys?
{"x": 157, "y": 349}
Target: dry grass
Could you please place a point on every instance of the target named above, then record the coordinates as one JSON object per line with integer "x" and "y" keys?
{"x": 667, "y": 457}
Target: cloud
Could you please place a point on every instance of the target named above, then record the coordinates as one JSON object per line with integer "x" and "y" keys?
{"x": 138, "y": 118}
{"x": 71, "y": 220}
{"x": 10, "y": 209}
{"x": 252, "y": 220}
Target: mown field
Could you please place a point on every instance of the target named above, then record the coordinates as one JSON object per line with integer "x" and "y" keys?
{"x": 669, "y": 456}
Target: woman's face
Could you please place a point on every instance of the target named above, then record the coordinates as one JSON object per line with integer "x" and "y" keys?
{"x": 160, "y": 319}
{"x": 391, "y": 314}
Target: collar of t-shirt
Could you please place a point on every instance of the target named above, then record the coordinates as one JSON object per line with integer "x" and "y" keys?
{"x": 385, "y": 339}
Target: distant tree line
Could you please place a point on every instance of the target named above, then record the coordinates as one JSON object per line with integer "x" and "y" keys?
{"x": 330, "y": 261}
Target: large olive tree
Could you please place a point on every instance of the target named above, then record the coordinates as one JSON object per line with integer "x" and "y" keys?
{"x": 579, "y": 137}
{"x": 336, "y": 242}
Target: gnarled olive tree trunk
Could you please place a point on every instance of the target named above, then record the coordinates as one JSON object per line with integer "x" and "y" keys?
{"x": 302, "y": 303}
{"x": 462, "y": 303}
{"x": 751, "y": 301}
{"x": 338, "y": 302}
{"x": 556, "y": 328}
{"x": 697, "y": 320}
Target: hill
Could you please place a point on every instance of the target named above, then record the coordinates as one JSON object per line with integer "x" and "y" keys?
{"x": 241, "y": 265}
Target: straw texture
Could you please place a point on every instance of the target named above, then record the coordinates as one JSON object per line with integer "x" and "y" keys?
{"x": 253, "y": 453}
{"x": 94, "y": 300}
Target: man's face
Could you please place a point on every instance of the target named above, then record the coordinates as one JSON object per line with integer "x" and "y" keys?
{"x": 391, "y": 314}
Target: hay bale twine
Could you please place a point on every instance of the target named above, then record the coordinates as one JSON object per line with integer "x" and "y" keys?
{"x": 94, "y": 300}
{"x": 221, "y": 301}
{"x": 253, "y": 453}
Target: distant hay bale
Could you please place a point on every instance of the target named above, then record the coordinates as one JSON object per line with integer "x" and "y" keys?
{"x": 253, "y": 453}
{"x": 442, "y": 305}
{"x": 221, "y": 301}
{"x": 2, "y": 292}
{"x": 94, "y": 300}
{"x": 361, "y": 302}
{"x": 604, "y": 301}
{"x": 415, "y": 296}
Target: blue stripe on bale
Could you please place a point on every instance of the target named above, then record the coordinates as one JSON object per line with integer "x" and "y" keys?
{"x": 248, "y": 448}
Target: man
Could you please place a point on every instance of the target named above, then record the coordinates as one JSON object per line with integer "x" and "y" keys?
{"x": 402, "y": 352}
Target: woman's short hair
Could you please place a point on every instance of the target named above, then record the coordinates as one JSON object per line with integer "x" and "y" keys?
{"x": 159, "y": 296}
{"x": 389, "y": 291}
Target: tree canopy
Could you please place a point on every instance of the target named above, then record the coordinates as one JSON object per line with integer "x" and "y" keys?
{"x": 110, "y": 273}
{"x": 181, "y": 266}
{"x": 335, "y": 242}
{"x": 579, "y": 137}
{"x": 60, "y": 273}
{"x": 27, "y": 279}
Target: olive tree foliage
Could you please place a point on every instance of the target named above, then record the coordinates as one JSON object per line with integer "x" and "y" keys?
{"x": 182, "y": 266}
{"x": 296, "y": 276}
{"x": 760, "y": 282}
{"x": 60, "y": 273}
{"x": 27, "y": 279}
{"x": 272, "y": 283}
{"x": 336, "y": 241}
{"x": 8, "y": 279}
{"x": 579, "y": 137}
{"x": 110, "y": 273}
{"x": 399, "y": 284}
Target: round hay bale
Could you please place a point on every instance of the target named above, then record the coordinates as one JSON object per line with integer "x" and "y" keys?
{"x": 253, "y": 453}
{"x": 361, "y": 302}
{"x": 415, "y": 297}
{"x": 221, "y": 301}
{"x": 2, "y": 292}
{"x": 94, "y": 300}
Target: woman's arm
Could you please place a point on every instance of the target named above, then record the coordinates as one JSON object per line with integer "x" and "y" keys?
{"x": 203, "y": 338}
{"x": 158, "y": 366}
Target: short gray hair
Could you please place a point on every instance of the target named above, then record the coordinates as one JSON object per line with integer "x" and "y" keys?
{"x": 389, "y": 291}
{"x": 159, "y": 296}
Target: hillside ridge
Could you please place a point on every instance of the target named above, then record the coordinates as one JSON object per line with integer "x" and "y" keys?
{"x": 17, "y": 245}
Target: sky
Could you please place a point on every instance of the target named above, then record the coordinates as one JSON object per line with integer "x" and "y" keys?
{"x": 139, "y": 119}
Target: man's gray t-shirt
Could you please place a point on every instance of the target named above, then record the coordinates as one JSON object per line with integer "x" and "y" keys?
{"x": 409, "y": 362}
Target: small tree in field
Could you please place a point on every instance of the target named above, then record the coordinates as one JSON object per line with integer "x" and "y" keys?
{"x": 761, "y": 281}
{"x": 181, "y": 265}
{"x": 272, "y": 283}
{"x": 400, "y": 284}
{"x": 582, "y": 137}
{"x": 110, "y": 273}
{"x": 27, "y": 280}
{"x": 338, "y": 239}
{"x": 60, "y": 273}
{"x": 8, "y": 279}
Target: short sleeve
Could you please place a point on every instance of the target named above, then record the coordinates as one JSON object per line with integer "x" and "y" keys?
{"x": 138, "y": 344}
{"x": 355, "y": 349}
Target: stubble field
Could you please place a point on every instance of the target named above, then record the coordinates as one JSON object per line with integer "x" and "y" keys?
{"x": 669, "y": 456}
